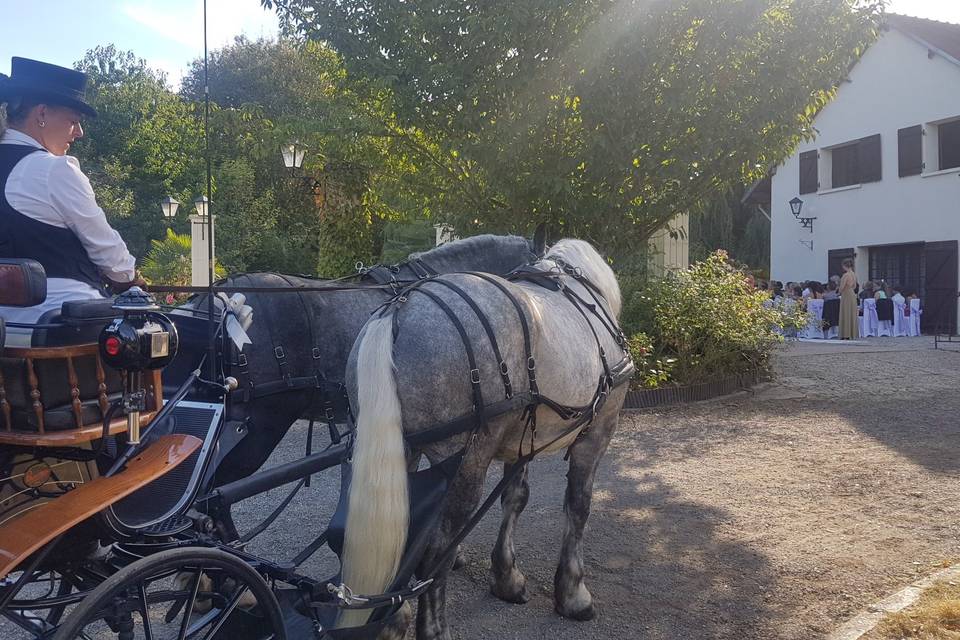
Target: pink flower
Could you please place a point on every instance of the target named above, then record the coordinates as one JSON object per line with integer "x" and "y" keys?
{"x": 170, "y": 299}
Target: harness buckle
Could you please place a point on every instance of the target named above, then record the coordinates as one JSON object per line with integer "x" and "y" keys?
{"x": 278, "y": 353}
{"x": 316, "y": 353}
{"x": 242, "y": 360}
{"x": 503, "y": 368}
{"x": 475, "y": 376}
{"x": 531, "y": 364}
{"x": 402, "y": 299}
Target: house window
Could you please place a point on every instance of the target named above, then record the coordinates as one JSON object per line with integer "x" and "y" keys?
{"x": 846, "y": 166}
{"x": 948, "y": 135}
{"x": 856, "y": 162}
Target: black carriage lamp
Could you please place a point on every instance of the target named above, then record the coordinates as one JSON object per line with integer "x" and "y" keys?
{"x": 796, "y": 205}
{"x": 142, "y": 339}
{"x": 169, "y": 207}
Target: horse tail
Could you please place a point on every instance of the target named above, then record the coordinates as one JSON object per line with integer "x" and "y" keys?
{"x": 378, "y": 510}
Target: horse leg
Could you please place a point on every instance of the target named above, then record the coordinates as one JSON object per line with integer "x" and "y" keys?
{"x": 465, "y": 494}
{"x": 506, "y": 581}
{"x": 570, "y": 595}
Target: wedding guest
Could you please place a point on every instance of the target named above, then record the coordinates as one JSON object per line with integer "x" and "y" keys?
{"x": 849, "y": 320}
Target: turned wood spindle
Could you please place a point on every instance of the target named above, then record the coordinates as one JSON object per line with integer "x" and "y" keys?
{"x": 35, "y": 394}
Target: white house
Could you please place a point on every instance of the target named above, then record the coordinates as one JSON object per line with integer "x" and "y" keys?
{"x": 881, "y": 182}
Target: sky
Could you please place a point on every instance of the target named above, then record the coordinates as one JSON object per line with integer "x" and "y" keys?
{"x": 169, "y": 33}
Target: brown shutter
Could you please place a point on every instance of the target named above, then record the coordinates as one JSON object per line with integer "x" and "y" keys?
{"x": 910, "y": 151}
{"x": 808, "y": 172}
{"x": 868, "y": 149}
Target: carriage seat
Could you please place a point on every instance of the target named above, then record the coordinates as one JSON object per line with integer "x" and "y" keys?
{"x": 63, "y": 367}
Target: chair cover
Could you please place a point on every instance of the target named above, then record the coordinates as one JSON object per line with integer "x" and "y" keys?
{"x": 831, "y": 318}
{"x": 885, "y": 317}
{"x": 915, "y": 313}
{"x": 814, "y": 328}
{"x": 899, "y": 320}
{"x": 868, "y": 321}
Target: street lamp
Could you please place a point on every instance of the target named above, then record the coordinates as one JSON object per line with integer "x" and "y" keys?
{"x": 293, "y": 154}
{"x": 169, "y": 207}
{"x": 202, "y": 205}
{"x": 796, "y": 205}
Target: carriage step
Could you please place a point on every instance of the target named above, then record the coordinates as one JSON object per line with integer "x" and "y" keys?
{"x": 169, "y": 527}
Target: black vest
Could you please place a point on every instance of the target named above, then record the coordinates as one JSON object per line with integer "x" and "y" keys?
{"x": 56, "y": 248}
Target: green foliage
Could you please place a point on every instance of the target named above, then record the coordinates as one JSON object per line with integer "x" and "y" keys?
{"x": 740, "y": 230}
{"x": 168, "y": 261}
{"x": 604, "y": 117}
{"x": 652, "y": 371}
{"x": 144, "y": 145}
{"x": 712, "y": 320}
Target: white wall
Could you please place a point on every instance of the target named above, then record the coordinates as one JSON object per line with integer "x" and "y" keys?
{"x": 895, "y": 85}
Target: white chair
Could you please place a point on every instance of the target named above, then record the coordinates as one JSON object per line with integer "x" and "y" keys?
{"x": 814, "y": 328}
{"x": 900, "y": 328}
{"x": 868, "y": 321}
{"x": 913, "y": 322}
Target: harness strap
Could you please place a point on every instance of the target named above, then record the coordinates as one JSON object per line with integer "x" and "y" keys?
{"x": 482, "y": 317}
{"x": 478, "y": 405}
{"x": 524, "y": 326}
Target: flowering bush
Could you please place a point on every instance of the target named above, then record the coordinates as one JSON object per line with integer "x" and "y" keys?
{"x": 652, "y": 370}
{"x": 706, "y": 321}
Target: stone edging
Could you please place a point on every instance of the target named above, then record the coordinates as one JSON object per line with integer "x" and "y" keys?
{"x": 856, "y": 627}
{"x": 663, "y": 396}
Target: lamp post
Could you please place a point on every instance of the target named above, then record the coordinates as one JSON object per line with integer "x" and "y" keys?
{"x": 201, "y": 247}
{"x": 293, "y": 154}
{"x": 169, "y": 208}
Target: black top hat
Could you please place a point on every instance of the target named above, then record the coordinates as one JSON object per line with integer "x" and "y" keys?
{"x": 57, "y": 85}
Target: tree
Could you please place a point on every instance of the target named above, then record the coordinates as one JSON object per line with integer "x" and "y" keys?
{"x": 605, "y": 118}
{"x": 269, "y": 93}
{"x": 144, "y": 144}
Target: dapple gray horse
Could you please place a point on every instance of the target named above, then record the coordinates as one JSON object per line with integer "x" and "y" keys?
{"x": 409, "y": 372}
{"x": 315, "y": 330}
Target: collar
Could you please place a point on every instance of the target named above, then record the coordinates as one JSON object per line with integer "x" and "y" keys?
{"x": 12, "y": 136}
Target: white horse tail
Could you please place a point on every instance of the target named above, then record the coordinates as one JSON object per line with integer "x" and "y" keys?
{"x": 378, "y": 505}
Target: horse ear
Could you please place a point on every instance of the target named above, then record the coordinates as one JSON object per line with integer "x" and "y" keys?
{"x": 540, "y": 240}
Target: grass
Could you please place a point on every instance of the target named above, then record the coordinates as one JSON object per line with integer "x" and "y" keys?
{"x": 935, "y": 616}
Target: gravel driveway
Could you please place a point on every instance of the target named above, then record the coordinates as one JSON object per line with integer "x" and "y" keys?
{"x": 777, "y": 513}
{"x": 772, "y": 514}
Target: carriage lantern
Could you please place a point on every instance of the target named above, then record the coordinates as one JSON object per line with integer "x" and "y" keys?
{"x": 142, "y": 339}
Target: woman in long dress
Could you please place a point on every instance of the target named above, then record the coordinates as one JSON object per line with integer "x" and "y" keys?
{"x": 849, "y": 322}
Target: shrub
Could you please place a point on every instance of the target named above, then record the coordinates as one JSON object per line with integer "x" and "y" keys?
{"x": 711, "y": 321}
{"x": 652, "y": 370}
{"x": 169, "y": 262}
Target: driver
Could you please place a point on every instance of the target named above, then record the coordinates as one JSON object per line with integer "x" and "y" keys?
{"x": 47, "y": 208}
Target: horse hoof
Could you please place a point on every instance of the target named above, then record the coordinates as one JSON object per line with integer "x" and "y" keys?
{"x": 587, "y": 613}
{"x": 460, "y": 561}
{"x": 516, "y": 594}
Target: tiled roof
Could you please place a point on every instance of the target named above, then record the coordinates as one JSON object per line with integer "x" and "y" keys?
{"x": 943, "y": 36}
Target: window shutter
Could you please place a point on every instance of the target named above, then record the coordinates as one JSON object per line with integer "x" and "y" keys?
{"x": 910, "y": 151}
{"x": 868, "y": 149}
{"x": 808, "y": 172}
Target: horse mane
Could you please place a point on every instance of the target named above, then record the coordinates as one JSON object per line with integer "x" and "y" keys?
{"x": 581, "y": 254}
{"x": 481, "y": 244}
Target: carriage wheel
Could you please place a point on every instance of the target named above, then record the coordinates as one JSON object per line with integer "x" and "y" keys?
{"x": 182, "y": 594}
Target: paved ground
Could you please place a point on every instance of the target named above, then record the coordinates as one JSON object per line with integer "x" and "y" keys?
{"x": 775, "y": 514}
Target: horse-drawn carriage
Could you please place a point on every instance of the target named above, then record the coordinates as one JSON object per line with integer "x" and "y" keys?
{"x": 117, "y": 480}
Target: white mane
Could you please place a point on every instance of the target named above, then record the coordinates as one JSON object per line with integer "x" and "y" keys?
{"x": 581, "y": 254}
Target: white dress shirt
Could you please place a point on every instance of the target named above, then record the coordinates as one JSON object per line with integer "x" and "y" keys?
{"x": 53, "y": 190}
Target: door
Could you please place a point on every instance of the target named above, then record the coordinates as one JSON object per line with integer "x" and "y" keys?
{"x": 835, "y": 258}
{"x": 941, "y": 288}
